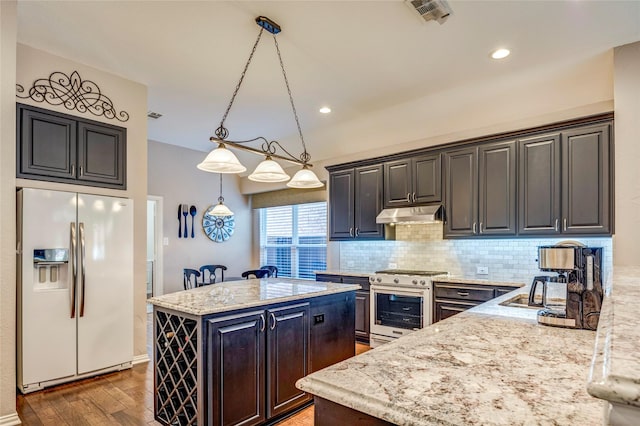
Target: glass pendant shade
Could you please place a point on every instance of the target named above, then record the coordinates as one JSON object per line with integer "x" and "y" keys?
{"x": 221, "y": 160}
{"x": 304, "y": 178}
{"x": 269, "y": 171}
{"x": 221, "y": 210}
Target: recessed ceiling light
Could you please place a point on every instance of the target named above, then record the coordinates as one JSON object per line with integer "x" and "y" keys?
{"x": 325, "y": 110}
{"x": 500, "y": 53}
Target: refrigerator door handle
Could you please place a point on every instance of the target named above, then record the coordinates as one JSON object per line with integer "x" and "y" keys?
{"x": 74, "y": 268}
{"x": 82, "y": 274}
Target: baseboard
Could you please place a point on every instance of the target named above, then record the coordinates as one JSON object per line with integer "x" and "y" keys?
{"x": 10, "y": 420}
{"x": 138, "y": 359}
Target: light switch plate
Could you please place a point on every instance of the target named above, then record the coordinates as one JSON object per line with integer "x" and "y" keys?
{"x": 165, "y": 241}
{"x": 482, "y": 270}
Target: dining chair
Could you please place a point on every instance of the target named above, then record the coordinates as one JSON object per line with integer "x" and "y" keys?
{"x": 190, "y": 278}
{"x": 256, "y": 273}
{"x": 272, "y": 268}
{"x": 211, "y": 269}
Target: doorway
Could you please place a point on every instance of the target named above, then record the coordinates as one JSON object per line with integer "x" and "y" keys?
{"x": 154, "y": 246}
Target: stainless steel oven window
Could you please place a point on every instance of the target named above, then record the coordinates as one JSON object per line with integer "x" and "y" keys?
{"x": 398, "y": 311}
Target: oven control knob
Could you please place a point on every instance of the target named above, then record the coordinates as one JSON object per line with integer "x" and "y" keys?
{"x": 423, "y": 282}
{"x": 415, "y": 282}
{"x": 379, "y": 279}
{"x": 372, "y": 279}
{"x": 395, "y": 280}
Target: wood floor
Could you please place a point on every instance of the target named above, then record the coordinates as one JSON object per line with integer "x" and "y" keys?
{"x": 123, "y": 398}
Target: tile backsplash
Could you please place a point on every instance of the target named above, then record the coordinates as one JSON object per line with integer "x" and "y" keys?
{"x": 420, "y": 246}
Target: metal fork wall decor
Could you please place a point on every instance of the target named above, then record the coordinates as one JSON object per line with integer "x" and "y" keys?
{"x": 72, "y": 92}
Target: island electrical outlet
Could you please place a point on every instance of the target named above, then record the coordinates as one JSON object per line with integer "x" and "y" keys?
{"x": 482, "y": 270}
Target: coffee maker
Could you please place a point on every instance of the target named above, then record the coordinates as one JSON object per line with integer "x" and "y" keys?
{"x": 573, "y": 297}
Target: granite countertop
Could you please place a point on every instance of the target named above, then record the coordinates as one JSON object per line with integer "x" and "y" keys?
{"x": 233, "y": 295}
{"x": 463, "y": 280}
{"x": 440, "y": 279}
{"x": 489, "y": 365}
{"x": 347, "y": 273}
{"x": 615, "y": 371}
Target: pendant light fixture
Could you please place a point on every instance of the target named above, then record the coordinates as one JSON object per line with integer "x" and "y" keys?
{"x": 222, "y": 160}
{"x": 220, "y": 209}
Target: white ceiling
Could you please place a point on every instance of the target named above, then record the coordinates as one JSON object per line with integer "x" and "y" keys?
{"x": 358, "y": 57}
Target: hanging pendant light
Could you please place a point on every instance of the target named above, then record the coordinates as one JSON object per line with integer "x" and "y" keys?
{"x": 221, "y": 160}
{"x": 269, "y": 171}
{"x": 304, "y": 178}
{"x": 220, "y": 209}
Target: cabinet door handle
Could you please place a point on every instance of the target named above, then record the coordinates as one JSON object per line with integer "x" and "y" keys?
{"x": 263, "y": 325}
{"x": 351, "y": 232}
{"x": 463, "y": 293}
{"x": 414, "y": 197}
{"x": 357, "y": 232}
{"x": 564, "y": 224}
{"x": 81, "y": 171}
{"x": 273, "y": 321}
{"x": 480, "y": 227}
{"x": 556, "y": 226}
{"x": 73, "y": 170}
{"x": 408, "y": 197}
{"x": 474, "y": 227}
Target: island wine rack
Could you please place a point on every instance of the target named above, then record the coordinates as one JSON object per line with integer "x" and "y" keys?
{"x": 176, "y": 352}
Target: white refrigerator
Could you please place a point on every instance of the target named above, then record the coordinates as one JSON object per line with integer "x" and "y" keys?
{"x": 75, "y": 286}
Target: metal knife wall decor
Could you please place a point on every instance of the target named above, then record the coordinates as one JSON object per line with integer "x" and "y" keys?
{"x": 183, "y": 212}
{"x": 72, "y": 92}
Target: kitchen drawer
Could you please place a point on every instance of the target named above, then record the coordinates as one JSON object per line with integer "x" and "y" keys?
{"x": 345, "y": 279}
{"x": 458, "y": 292}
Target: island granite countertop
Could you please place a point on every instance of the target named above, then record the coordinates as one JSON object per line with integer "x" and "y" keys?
{"x": 489, "y": 365}
{"x": 615, "y": 371}
{"x": 234, "y": 295}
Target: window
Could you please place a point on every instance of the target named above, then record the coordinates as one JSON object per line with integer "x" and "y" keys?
{"x": 294, "y": 238}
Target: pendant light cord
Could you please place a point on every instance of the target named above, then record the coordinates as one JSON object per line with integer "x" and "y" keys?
{"x": 305, "y": 157}
{"x": 222, "y": 132}
{"x": 220, "y": 198}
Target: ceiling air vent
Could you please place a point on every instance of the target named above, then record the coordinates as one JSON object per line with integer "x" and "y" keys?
{"x": 437, "y": 10}
{"x": 154, "y": 115}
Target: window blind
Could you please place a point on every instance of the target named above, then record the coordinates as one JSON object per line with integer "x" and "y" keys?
{"x": 294, "y": 238}
{"x": 288, "y": 197}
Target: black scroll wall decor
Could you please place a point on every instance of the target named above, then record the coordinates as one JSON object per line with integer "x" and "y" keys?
{"x": 74, "y": 93}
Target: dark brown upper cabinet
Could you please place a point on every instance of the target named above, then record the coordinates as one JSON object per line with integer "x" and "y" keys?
{"x": 539, "y": 185}
{"x": 480, "y": 190}
{"x": 461, "y": 192}
{"x": 63, "y": 148}
{"x": 413, "y": 181}
{"x": 355, "y": 199}
{"x": 565, "y": 182}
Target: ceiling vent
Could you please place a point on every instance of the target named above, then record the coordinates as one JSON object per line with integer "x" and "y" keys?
{"x": 432, "y": 10}
{"x": 154, "y": 115}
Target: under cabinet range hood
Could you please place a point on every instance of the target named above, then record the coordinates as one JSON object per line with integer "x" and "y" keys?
{"x": 419, "y": 214}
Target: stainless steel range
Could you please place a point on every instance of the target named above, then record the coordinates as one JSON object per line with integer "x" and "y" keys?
{"x": 401, "y": 302}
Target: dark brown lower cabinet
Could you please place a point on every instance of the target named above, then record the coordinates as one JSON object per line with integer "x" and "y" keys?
{"x": 287, "y": 357}
{"x": 236, "y": 363}
{"x": 257, "y": 357}
{"x": 450, "y": 298}
{"x": 363, "y": 318}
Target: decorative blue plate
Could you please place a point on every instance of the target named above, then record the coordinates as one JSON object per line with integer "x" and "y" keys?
{"x": 218, "y": 228}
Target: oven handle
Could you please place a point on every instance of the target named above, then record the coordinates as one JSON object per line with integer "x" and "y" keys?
{"x": 418, "y": 292}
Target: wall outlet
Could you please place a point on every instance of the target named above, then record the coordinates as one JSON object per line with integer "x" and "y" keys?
{"x": 165, "y": 241}
{"x": 350, "y": 263}
{"x": 482, "y": 270}
{"x": 392, "y": 265}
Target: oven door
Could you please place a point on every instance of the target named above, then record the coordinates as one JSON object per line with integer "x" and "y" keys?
{"x": 396, "y": 312}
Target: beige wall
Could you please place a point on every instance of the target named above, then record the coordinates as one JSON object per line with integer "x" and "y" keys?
{"x": 627, "y": 155}
{"x": 7, "y": 213}
{"x": 174, "y": 177}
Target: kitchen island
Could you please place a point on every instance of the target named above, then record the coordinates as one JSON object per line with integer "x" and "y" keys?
{"x": 230, "y": 353}
{"x": 492, "y": 364}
